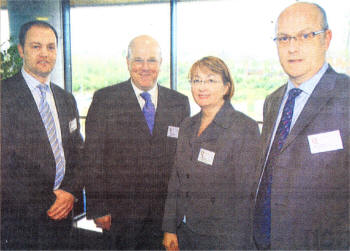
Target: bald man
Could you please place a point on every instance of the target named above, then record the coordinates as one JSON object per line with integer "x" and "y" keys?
{"x": 302, "y": 200}
{"x": 131, "y": 136}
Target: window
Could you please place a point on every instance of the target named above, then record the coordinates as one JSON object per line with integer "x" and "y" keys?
{"x": 10, "y": 62}
{"x": 4, "y": 25}
{"x": 100, "y": 37}
{"x": 240, "y": 32}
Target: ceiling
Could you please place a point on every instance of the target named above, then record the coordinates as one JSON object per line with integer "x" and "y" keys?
{"x": 87, "y": 3}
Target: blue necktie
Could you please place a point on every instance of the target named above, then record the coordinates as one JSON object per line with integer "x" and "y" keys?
{"x": 287, "y": 115}
{"x": 50, "y": 127}
{"x": 262, "y": 214}
{"x": 148, "y": 110}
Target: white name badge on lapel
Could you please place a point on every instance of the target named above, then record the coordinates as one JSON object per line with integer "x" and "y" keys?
{"x": 325, "y": 142}
{"x": 73, "y": 125}
{"x": 206, "y": 156}
{"x": 173, "y": 132}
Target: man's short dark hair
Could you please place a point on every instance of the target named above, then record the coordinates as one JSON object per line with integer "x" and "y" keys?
{"x": 25, "y": 28}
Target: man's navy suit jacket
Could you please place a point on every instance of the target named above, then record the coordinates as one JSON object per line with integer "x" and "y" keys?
{"x": 28, "y": 166}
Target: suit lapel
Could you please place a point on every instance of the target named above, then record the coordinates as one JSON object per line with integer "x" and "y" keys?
{"x": 272, "y": 114}
{"x": 223, "y": 119}
{"x": 62, "y": 113}
{"x": 132, "y": 105}
{"x": 193, "y": 128}
{"x": 24, "y": 102}
{"x": 161, "y": 121}
{"x": 318, "y": 99}
{"x": 24, "y": 98}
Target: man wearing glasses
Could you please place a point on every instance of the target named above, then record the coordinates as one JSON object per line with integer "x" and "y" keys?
{"x": 302, "y": 199}
{"x": 131, "y": 135}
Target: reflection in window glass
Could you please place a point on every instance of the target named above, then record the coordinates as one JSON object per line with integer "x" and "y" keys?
{"x": 100, "y": 37}
{"x": 241, "y": 32}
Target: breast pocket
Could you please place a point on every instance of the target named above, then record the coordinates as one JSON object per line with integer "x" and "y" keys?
{"x": 221, "y": 159}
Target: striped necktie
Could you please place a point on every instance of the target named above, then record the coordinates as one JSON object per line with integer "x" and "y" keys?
{"x": 50, "y": 127}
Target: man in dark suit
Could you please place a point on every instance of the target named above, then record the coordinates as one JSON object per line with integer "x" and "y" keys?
{"x": 302, "y": 200}
{"x": 131, "y": 135}
{"x": 40, "y": 144}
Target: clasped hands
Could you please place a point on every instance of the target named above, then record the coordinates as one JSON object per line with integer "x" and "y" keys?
{"x": 170, "y": 242}
{"x": 62, "y": 206}
{"x": 104, "y": 222}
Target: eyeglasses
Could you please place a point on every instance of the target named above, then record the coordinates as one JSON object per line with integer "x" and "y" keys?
{"x": 198, "y": 82}
{"x": 150, "y": 62}
{"x": 283, "y": 40}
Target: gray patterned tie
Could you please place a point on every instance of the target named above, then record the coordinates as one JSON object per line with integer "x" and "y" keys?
{"x": 50, "y": 127}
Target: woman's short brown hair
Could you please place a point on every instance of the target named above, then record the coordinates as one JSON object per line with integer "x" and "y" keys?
{"x": 217, "y": 66}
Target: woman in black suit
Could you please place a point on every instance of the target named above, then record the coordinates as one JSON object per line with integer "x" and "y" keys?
{"x": 210, "y": 198}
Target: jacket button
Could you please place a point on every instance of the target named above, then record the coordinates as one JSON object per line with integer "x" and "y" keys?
{"x": 212, "y": 200}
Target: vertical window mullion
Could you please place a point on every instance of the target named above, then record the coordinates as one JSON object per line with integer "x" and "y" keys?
{"x": 67, "y": 57}
{"x": 173, "y": 44}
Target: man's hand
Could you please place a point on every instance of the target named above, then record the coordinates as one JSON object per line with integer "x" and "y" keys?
{"x": 104, "y": 222}
{"x": 170, "y": 242}
{"x": 62, "y": 206}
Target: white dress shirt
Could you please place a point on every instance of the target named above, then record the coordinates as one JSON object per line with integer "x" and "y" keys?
{"x": 307, "y": 88}
{"x": 33, "y": 83}
{"x": 153, "y": 92}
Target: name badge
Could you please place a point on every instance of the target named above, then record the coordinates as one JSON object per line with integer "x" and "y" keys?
{"x": 173, "y": 132}
{"x": 325, "y": 142}
{"x": 206, "y": 156}
{"x": 73, "y": 125}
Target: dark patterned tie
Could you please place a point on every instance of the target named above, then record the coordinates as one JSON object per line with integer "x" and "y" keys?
{"x": 148, "y": 110}
{"x": 287, "y": 115}
{"x": 262, "y": 215}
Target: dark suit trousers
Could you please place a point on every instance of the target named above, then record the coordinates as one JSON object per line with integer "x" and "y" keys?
{"x": 55, "y": 234}
{"x": 134, "y": 235}
{"x": 262, "y": 216}
{"x": 189, "y": 240}
{"x": 39, "y": 235}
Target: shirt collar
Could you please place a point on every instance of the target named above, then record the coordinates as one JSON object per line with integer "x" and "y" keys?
{"x": 309, "y": 85}
{"x": 31, "y": 81}
{"x": 138, "y": 91}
